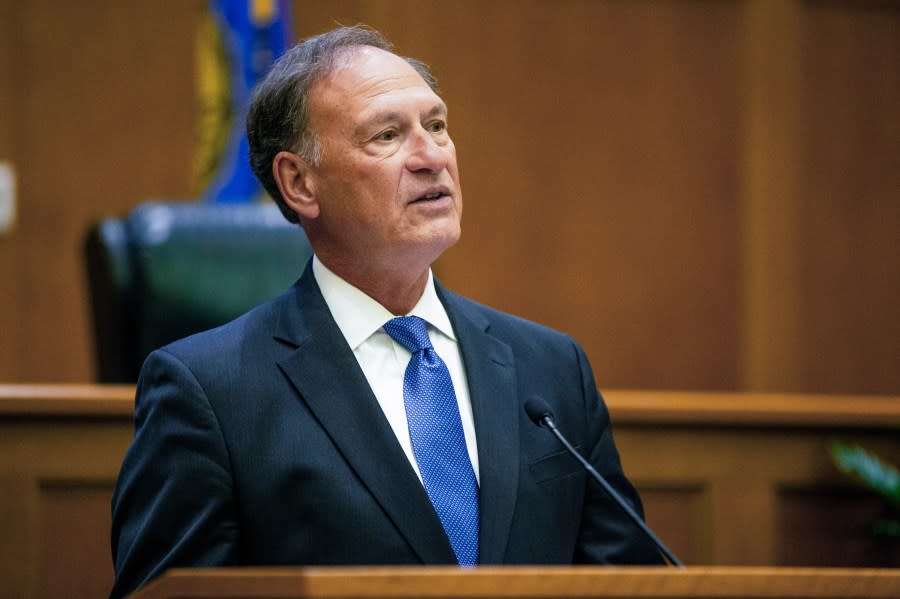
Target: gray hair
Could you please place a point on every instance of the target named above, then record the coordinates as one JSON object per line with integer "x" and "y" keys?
{"x": 278, "y": 115}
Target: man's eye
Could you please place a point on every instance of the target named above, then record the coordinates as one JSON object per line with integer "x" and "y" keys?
{"x": 437, "y": 126}
{"x": 388, "y": 135}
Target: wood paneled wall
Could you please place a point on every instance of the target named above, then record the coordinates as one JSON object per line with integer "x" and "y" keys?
{"x": 705, "y": 193}
{"x": 726, "y": 479}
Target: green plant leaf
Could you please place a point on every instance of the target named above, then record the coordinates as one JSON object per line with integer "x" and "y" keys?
{"x": 886, "y": 528}
{"x": 868, "y": 469}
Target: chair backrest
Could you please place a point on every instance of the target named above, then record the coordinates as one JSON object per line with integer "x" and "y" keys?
{"x": 170, "y": 269}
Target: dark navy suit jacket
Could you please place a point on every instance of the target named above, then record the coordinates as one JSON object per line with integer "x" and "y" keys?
{"x": 261, "y": 443}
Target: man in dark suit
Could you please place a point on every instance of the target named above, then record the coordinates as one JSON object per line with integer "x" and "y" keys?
{"x": 306, "y": 431}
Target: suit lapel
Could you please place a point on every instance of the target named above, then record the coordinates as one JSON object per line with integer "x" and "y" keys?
{"x": 328, "y": 378}
{"x": 490, "y": 371}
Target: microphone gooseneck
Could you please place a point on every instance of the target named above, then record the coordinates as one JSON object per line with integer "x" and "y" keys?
{"x": 539, "y": 413}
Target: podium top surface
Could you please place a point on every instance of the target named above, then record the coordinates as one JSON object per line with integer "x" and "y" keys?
{"x": 522, "y": 582}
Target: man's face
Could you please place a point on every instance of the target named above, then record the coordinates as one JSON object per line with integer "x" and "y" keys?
{"x": 387, "y": 184}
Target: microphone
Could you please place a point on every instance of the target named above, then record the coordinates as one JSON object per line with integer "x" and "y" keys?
{"x": 539, "y": 412}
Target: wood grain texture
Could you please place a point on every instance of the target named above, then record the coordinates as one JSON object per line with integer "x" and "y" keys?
{"x": 627, "y": 407}
{"x": 85, "y": 400}
{"x": 483, "y": 583}
{"x": 702, "y": 193}
{"x": 102, "y": 102}
{"x": 721, "y": 487}
{"x": 850, "y": 198}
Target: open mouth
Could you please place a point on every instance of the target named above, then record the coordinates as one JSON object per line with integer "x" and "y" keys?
{"x": 430, "y": 197}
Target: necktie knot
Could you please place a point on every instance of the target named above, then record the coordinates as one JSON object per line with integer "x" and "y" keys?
{"x": 409, "y": 331}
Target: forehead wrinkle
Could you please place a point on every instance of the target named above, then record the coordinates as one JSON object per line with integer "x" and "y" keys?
{"x": 391, "y": 115}
{"x": 366, "y": 82}
{"x": 407, "y": 88}
{"x": 368, "y": 88}
{"x": 372, "y": 91}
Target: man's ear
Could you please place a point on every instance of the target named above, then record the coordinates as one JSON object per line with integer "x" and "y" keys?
{"x": 296, "y": 182}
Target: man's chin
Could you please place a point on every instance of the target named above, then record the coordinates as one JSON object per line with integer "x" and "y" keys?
{"x": 430, "y": 246}
{"x": 448, "y": 238}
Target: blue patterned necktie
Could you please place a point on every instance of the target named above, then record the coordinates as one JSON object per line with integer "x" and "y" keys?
{"x": 437, "y": 437}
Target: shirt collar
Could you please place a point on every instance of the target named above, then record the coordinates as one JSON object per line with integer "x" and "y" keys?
{"x": 358, "y": 316}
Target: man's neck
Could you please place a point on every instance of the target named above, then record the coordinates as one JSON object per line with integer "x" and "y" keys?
{"x": 395, "y": 289}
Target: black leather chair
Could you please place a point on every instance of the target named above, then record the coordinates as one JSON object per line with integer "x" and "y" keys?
{"x": 170, "y": 269}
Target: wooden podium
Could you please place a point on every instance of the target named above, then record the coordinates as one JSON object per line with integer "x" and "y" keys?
{"x": 520, "y": 583}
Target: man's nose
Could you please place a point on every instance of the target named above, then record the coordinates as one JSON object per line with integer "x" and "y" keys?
{"x": 426, "y": 154}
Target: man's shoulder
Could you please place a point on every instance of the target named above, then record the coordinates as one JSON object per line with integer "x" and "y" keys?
{"x": 255, "y": 327}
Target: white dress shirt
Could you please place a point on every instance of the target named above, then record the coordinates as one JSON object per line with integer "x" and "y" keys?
{"x": 361, "y": 320}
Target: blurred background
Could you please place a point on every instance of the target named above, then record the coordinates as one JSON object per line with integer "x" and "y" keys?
{"x": 704, "y": 193}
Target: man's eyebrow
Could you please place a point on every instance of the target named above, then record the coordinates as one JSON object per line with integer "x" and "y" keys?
{"x": 387, "y": 116}
{"x": 438, "y": 109}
